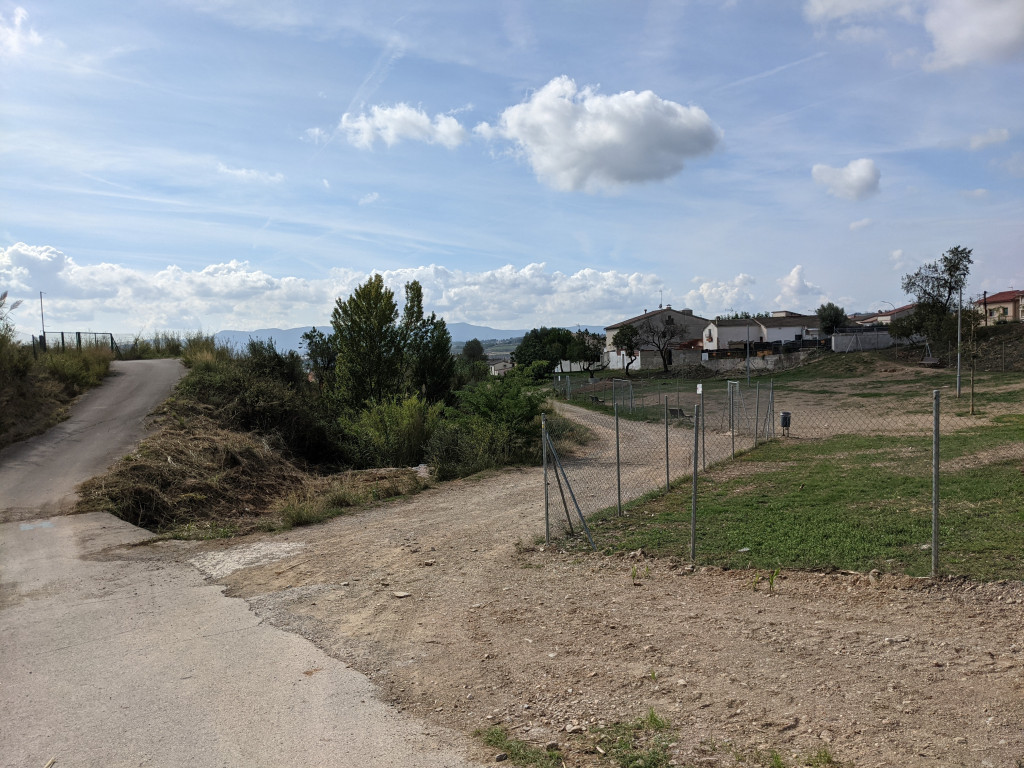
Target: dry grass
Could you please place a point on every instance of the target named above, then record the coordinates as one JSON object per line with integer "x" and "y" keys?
{"x": 194, "y": 479}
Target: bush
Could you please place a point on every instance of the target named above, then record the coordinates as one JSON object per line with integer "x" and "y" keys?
{"x": 77, "y": 371}
{"x": 395, "y": 433}
{"x": 264, "y": 391}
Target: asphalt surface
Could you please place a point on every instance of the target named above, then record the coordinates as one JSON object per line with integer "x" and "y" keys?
{"x": 38, "y": 476}
{"x": 118, "y": 656}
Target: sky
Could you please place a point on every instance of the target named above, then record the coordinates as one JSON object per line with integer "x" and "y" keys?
{"x": 238, "y": 164}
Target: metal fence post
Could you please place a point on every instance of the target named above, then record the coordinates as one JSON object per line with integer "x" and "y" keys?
{"x": 544, "y": 444}
{"x": 618, "y": 463}
{"x": 732, "y": 417}
{"x": 703, "y": 430}
{"x": 693, "y": 494}
{"x": 757, "y": 408}
{"x": 935, "y": 483}
{"x": 668, "y": 482}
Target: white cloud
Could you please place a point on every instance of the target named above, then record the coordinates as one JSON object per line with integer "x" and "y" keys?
{"x": 796, "y": 293}
{"x": 120, "y": 299}
{"x": 860, "y": 224}
{"x": 711, "y": 298}
{"x": 990, "y": 137}
{"x": 15, "y": 39}
{"x": 393, "y": 124}
{"x": 372, "y": 197}
{"x": 961, "y": 31}
{"x": 246, "y": 174}
{"x": 897, "y": 260}
{"x": 964, "y": 31}
{"x": 977, "y": 194}
{"x": 858, "y": 180}
{"x": 326, "y": 183}
{"x": 582, "y": 140}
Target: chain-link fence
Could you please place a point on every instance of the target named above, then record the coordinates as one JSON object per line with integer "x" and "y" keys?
{"x": 847, "y": 466}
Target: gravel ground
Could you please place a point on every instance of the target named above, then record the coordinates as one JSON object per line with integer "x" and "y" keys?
{"x": 446, "y": 601}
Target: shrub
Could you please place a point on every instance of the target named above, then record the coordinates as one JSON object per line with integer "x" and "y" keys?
{"x": 395, "y": 433}
{"x": 78, "y": 370}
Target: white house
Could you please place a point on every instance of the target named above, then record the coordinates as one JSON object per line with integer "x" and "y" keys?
{"x": 884, "y": 318}
{"x": 684, "y": 329}
{"x": 782, "y": 327}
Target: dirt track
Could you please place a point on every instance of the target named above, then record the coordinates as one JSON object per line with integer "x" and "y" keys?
{"x": 445, "y": 601}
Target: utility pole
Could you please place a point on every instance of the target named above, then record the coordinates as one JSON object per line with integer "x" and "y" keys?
{"x": 748, "y": 351}
{"x": 42, "y": 318}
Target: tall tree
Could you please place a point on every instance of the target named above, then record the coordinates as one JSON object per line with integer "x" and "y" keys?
{"x": 429, "y": 365}
{"x": 586, "y": 349}
{"x": 369, "y": 344}
{"x": 547, "y": 344}
{"x": 936, "y": 286}
{"x": 831, "y": 318}
{"x": 321, "y": 357}
{"x": 660, "y": 335}
{"x": 473, "y": 351}
{"x": 627, "y": 339}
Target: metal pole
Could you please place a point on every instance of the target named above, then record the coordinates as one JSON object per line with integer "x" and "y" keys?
{"x": 732, "y": 418}
{"x": 757, "y": 409}
{"x": 959, "y": 312}
{"x": 748, "y": 352}
{"x": 693, "y": 494}
{"x": 618, "y": 463}
{"x": 935, "y": 483}
{"x": 42, "y": 319}
{"x": 667, "y": 480}
{"x": 544, "y": 443}
{"x": 703, "y": 430}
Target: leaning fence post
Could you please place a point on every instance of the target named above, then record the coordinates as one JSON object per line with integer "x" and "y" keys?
{"x": 668, "y": 482}
{"x": 757, "y": 408}
{"x": 935, "y": 483}
{"x": 618, "y": 463}
{"x": 544, "y": 444}
{"x": 693, "y": 494}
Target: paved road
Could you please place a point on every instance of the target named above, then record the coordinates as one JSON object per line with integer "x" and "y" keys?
{"x": 118, "y": 656}
{"x": 39, "y": 475}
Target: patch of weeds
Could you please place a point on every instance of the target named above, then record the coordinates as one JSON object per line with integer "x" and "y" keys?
{"x": 639, "y": 744}
{"x": 518, "y": 751}
{"x": 823, "y": 759}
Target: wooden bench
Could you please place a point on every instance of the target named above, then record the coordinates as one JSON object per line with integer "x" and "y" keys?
{"x": 596, "y": 399}
{"x": 930, "y": 362}
{"x": 677, "y": 413}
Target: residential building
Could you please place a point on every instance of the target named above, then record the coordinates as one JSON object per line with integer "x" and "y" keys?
{"x": 884, "y": 318}
{"x": 1001, "y": 307}
{"x": 780, "y": 327}
{"x": 684, "y": 329}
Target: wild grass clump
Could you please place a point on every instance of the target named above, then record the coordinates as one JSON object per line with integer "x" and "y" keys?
{"x": 517, "y": 751}
{"x": 395, "y": 433}
{"x": 325, "y": 498}
{"x": 192, "y": 471}
{"x": 77, "y": 371}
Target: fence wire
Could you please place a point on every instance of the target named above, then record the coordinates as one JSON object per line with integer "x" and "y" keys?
{"x": 640, "y": 438}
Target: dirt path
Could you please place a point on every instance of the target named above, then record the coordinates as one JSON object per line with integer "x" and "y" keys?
{"x": 447, "y": 603}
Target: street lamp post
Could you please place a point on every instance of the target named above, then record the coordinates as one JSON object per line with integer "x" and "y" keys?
{"x": 42, "y": 319}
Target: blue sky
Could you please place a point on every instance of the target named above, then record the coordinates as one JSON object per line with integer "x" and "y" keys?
{"x": 240, "y": 164}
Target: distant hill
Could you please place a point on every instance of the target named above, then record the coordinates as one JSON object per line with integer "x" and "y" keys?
{"x": 291, "y": 338}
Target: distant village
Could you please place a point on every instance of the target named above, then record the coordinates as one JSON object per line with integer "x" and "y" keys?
{"x": 679, "y": 337}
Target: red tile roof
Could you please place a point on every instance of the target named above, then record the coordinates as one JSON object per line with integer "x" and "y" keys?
{"x": 1002, "y": 297}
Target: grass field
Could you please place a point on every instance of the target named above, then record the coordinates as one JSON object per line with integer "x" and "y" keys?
{"x": 853, "y": 490}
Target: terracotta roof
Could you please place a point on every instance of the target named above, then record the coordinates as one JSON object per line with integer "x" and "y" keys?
{"x": 768, "y": 322}
{"x": 1002, "y": 297}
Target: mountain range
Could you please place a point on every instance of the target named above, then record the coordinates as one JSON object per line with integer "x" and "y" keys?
{"x": 291, "y": 338}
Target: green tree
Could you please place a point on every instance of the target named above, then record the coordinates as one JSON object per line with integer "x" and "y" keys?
{"x": 321, "y": 358}
{"x": 831, "y": 318}
{"x": 627, "y": 339}
{"x": 936, "y": 287}
{"x": 473, "y": 352}
{"x": 547, "y": 344}
{"x": 369, "y": 344}
{"x": 586, "y": 349}
{"x": 429, "y": 365}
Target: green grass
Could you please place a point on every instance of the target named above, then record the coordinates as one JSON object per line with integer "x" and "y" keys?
{"x": 849, "y": 502}
{"x": 642, "y": 743}
{"x": 519, "y": 752}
